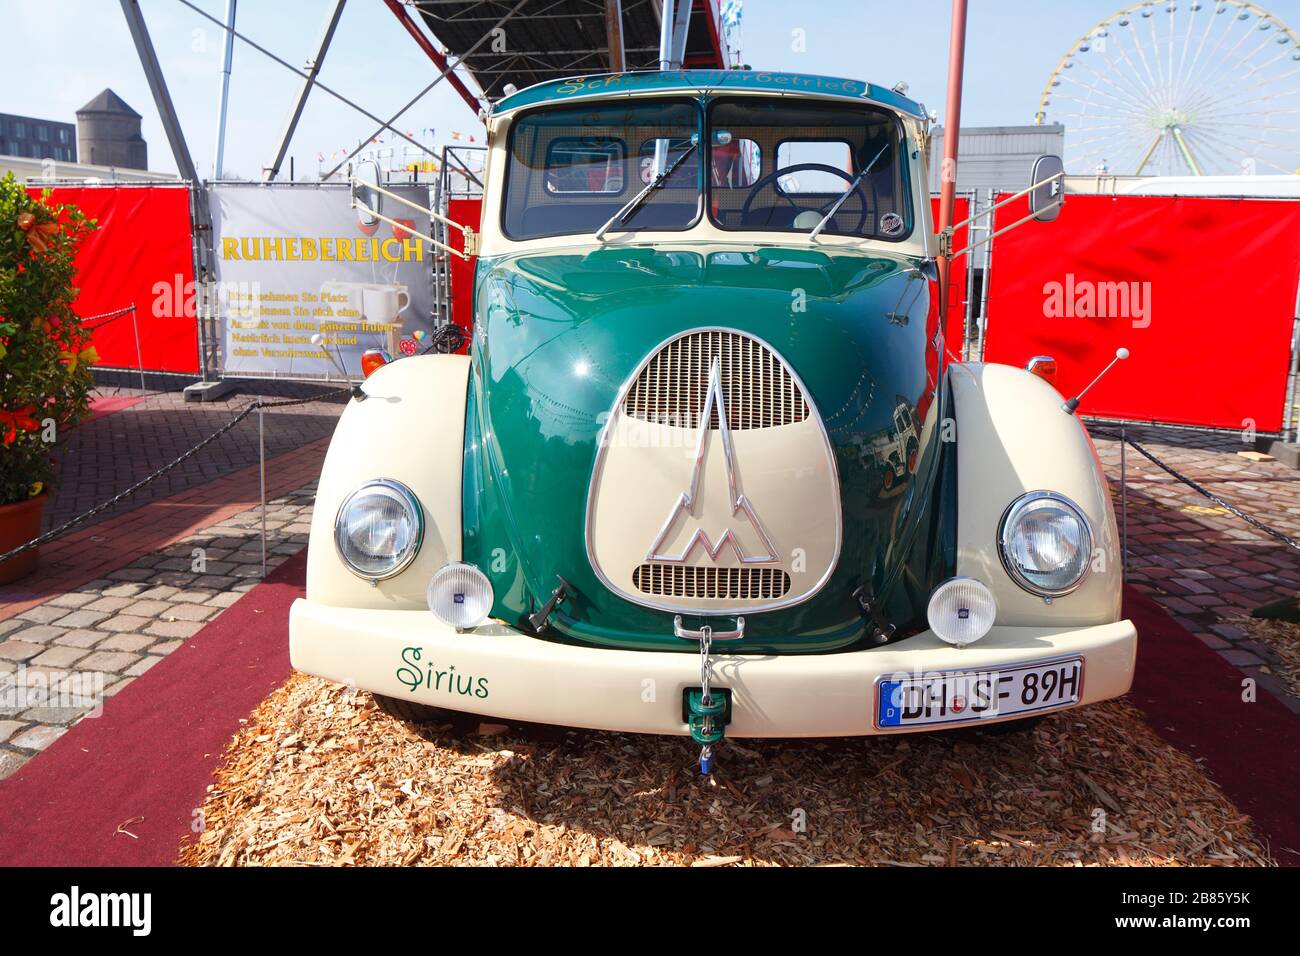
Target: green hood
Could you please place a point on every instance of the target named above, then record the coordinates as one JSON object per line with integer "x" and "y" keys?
{"x": 557, "y": 336}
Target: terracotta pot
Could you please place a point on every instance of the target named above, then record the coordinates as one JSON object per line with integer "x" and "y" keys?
{"x": 19, "y": 523}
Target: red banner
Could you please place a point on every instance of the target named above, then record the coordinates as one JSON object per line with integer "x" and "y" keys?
{"x": 140, "y": 254}
{"x": 1202, "y": 291}
{"x": 467, "y": 212}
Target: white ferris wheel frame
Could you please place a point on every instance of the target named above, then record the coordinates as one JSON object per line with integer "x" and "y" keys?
{"x": 1222, "y": 141}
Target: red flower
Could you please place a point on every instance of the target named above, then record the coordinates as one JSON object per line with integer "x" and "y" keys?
{"x": 19, "y": 418}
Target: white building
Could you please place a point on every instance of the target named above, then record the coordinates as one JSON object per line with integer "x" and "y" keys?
{"x": 999, "y": 157}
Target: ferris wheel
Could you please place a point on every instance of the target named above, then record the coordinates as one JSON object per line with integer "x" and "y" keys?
{"x": 1183, "y": 87}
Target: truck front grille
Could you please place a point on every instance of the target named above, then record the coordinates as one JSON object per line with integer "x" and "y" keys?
{"x": 677, "y": 580}
{"x": 758, "y": 389}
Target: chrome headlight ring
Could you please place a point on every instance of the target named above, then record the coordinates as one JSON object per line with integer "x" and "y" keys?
{"x": 1011, "y": 526}
{"x": 404, "y": 553}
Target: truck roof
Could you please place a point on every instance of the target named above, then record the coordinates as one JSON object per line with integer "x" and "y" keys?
{"x": 606, "y": 85}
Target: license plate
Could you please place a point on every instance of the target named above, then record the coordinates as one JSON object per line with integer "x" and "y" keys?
{"x": 968, "y": 696}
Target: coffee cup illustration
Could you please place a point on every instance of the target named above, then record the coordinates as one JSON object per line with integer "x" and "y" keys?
{"x": 382, "y": 304}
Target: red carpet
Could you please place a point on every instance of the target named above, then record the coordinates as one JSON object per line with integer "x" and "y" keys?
{"x": 151, "y": 753}
{"x": 110, "y": 404}
{"x": 1192, "y": 698}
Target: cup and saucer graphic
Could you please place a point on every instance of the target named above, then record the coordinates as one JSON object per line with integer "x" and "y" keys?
{"x": 374, "y": 303}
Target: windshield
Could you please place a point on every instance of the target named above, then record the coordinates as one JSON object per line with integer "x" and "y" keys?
{"x": 775, "y": 165}
{"x": 573, "y": 169}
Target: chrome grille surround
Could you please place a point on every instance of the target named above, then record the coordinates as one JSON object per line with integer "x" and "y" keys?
{"x": 650, "y": 396}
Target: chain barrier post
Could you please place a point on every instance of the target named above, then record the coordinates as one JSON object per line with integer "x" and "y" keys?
{"x": 1289, "y": 429}
{"x": 261, "y": 469}
{"x": 1123, "y": 505}
{"x": 139, "y": 356}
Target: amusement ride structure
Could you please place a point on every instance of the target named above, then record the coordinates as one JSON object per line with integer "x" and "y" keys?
{"x": 1185, "y": 87}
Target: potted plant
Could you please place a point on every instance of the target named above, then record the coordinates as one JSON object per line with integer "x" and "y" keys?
{"x": 45, "y": 358}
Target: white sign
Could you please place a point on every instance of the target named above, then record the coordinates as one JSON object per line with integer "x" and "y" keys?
{"x": 294, "y": 262}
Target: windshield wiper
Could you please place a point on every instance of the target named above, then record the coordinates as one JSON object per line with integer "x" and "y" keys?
{"x": 852, "y": 186}
{"x": 639, "y": 199}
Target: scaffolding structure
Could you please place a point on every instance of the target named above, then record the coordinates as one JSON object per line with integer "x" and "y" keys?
{"x": 551, "y": 40}
{"x": 460, "y": 176}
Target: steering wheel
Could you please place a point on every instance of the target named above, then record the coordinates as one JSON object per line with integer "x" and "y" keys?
{"x": 824, "y": 208}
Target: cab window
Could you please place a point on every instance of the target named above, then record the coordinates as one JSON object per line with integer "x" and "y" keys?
{"x": 809, "y": 154}
{"x": 585, "y": 165}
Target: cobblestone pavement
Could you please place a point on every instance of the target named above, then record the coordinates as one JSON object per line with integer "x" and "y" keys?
{"x": 104, "y": 456}
{"x": 93, "y": 641}
{"x": 1201, "y": 563}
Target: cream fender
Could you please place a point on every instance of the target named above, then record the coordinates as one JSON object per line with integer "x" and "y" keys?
{"x": 1013, "y": 437}
{"x": 410, "y": 428}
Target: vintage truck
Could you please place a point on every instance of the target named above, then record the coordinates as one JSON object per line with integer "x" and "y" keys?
{"x": 649, "y": 498}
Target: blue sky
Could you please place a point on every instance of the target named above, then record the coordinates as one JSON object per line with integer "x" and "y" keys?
{"x": 71, "y": 49}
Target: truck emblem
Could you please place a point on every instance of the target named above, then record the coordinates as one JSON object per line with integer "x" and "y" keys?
{"x": 689, "y": 499}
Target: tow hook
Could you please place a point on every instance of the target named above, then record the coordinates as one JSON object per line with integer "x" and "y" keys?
{"x": 707, "y": 711}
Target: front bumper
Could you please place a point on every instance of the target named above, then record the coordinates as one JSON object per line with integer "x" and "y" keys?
{"x": 497, "y": 671}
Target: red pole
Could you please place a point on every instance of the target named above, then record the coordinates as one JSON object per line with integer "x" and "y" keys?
{"x": 432, "y": 53}
{"x": 952, "y": 128}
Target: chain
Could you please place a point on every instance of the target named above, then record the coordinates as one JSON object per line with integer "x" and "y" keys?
{"x": 706, "y": 643}
{"x": 1195, "y": 486}
{"x": 123, "y": 495}
{"x": 106, "y": 318}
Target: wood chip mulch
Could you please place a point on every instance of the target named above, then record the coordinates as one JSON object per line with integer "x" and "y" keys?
{"x": 1283, "y": 638}
{"x": 320, "y": 776}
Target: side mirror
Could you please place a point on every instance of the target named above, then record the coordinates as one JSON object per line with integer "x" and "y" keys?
{"x": 1045, "y": 200}
{"x": 365, "y": 178}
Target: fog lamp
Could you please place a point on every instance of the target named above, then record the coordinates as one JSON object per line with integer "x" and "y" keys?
{"x": 961, "y": 611}
{"x": 460, "y": 595}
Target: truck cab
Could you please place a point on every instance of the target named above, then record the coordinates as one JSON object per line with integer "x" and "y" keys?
{"x": 707, "y": 444}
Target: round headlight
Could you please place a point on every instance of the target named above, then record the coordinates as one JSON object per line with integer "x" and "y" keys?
{"x": 1046, "y": 543}
{"x": 378, "y": 529}
{"x": 961, "y": 611}
{"x": 460, "y": 595}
